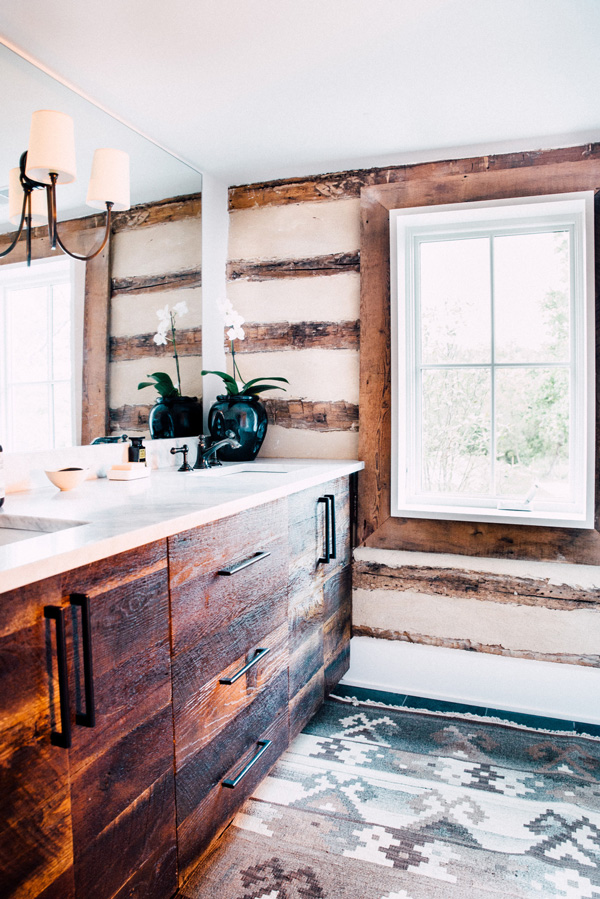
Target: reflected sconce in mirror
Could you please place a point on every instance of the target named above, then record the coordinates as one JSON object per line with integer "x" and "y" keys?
{"x": 50, "y": 160}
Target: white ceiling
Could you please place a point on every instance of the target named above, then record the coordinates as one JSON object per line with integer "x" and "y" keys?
{"x": 257, "y": 89}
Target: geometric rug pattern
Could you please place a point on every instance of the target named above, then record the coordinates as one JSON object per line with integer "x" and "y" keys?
{"x": 386, "y": 803}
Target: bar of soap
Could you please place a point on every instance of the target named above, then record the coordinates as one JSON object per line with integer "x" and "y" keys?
{"x": 128, "y": 471}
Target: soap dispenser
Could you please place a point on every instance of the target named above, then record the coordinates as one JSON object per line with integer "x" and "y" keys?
{"x": 137, "y": 450}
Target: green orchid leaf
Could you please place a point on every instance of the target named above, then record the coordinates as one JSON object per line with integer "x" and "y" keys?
{"x": 162, "y": 383}
{"x": 262, "y": 380}
{"x": 221, "y": 374}
{"x": 259, "y": 388}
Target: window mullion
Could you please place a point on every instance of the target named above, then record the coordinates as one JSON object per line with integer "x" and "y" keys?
{"x": 493, "y": 490}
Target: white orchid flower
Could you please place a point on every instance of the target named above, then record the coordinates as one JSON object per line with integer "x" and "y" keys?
{"x": 180, "y": 308}
{"x": 236, "y": 333}
{"x": 160, "y": 338}
{"x": 224, "y": 306}
{"x": 164, "y": 315}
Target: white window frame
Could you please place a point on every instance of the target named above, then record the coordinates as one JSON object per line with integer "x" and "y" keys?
{"x": 572, "y": 211}
{"x": 45, "y": 272}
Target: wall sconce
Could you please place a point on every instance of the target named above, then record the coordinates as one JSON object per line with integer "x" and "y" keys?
{"x": 50, "y": 160}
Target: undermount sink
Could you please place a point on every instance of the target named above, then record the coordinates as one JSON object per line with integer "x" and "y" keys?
{"x": 243, "y": 468}
{"x": 14, "y": 528}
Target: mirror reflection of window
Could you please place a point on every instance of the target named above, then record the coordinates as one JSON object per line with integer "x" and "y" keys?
{"x": 41, "y": 323}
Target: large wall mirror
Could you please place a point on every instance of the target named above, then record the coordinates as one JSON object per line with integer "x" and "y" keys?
{"x": 76, "y": 337}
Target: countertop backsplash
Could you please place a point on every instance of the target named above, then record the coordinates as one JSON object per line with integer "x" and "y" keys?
{"x": 25, "y": 471}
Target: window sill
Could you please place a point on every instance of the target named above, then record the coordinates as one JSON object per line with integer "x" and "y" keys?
{"x": 535, "y": 517}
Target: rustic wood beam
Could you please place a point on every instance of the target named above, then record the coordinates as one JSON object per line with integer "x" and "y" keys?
{"x": 172, "y": 209}
{"x": 133, "y": 418}
{"x": 589, "y": 661}
{"x": 266, "y": 338}
{"x": 141, "y": 346}
{"x": 345, "y": 185}
{"x": 460, "y": 583}
{"x": 153, "y": 283}
{"x": 330, "y": 264}
{"x": 312, "y": 416}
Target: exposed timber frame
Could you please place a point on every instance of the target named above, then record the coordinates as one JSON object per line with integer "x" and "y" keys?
{"x": 484, "y": 178}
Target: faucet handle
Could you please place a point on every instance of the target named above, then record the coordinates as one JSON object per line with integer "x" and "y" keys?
{"x": 182, "y": 449}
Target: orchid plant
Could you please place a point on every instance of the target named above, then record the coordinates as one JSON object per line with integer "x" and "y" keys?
{"x": 235, "y": 384}
{"x": 165, "y": 334}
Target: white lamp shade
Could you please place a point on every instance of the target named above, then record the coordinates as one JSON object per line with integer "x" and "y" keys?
{"x": 39, "y": 208}
{"x": 51, "y": 147}
{"x": 109, "y": 182}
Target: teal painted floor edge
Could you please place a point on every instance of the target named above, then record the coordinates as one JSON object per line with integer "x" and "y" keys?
{"x": 401, "y": 700}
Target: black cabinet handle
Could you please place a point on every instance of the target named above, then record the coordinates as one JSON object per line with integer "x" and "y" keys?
{"x": 327, "y": 556}
{"x": 61, "y": 738}
{"x": 331, "y": 498}
{"x": 233, "y": 782}
{"x": 260, "y": 654}
{"x": 233, "y": 569}
{"x": 88, "y": 718}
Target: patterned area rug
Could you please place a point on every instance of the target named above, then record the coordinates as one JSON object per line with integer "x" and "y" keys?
{"x": 383, "y": 803}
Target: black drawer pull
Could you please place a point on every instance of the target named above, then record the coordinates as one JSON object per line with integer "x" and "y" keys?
{"x": 260, "y": 654}
{"x": 233, "y": 569}
{"x": 327, "y": 556}
{"x": 87, "y": 719}
{"x": 331, "y": 498}
{"x": 233, "y": 782}
{"x": 61, "y": 738}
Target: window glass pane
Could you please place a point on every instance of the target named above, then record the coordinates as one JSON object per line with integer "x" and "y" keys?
{"x": 532, "y": 432}
{"x": 455, "y": 301}
{"x": 28, "y": 349}
{"x": 31, "y": 420}
{"x": 63, "y": 414}
{"x": 532, "y": 297}
{"x": 456, "y": 431}
{"x": 61, "y": 323}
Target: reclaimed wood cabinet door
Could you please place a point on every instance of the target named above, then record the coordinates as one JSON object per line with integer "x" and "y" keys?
{"x": 319, "y": 596}
{"x": 115, "y": 782}
{"x": 228, "y": 584}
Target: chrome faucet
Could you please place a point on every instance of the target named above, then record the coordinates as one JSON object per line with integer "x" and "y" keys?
{"x": 205, "y": 452}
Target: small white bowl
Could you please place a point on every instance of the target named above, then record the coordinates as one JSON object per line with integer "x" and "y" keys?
{"x": 67, "y": 478}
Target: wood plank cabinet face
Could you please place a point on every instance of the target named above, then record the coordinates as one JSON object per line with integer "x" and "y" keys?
{"x": 117, "y": 777}
{"x": 319, "y": 597}
{"x": 220, "y": 623}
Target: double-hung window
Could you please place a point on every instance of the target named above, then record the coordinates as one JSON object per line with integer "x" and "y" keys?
{"x": 492, "y": 361}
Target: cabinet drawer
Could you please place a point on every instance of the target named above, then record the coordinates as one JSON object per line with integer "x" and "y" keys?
{"x": 230, "y": 608}
{"x": 219, "y": 804}
{"x": 202, "y": 709}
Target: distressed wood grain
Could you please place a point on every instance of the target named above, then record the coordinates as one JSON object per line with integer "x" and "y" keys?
{"x": 474, "y": 584}
{"x": 141, "y": 346}
{"x": 272, "y": 336}
{"x": 128, "y": 418}
{"x": 471, "y": 646}
{"x": 153, "y": 283}
{"x": 329, "y": 264}
{"x": 348, "y": 184}
{"x": 311, "y": 415}
{"x": 158, "y": 212}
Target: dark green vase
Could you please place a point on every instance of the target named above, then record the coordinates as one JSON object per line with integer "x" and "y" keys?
{"x": 175, "y": 416}
{"x": 244, "y": 415}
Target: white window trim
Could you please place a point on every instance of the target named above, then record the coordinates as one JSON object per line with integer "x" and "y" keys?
{"x": 405, "y": 224}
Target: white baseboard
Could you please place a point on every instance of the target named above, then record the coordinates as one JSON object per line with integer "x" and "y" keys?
{"x": 551, "y": 689}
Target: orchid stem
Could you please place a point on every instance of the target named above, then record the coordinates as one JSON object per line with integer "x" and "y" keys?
{"x": 175, "y": 353}
{"x": 235, "y": 366}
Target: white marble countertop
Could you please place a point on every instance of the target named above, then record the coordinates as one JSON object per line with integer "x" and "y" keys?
{"x": 117, "y": 516}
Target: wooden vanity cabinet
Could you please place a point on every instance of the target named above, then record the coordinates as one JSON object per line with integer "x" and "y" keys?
{"x": 96, "y": 819}
{"x": 319, "y": 596}
{"x": 228, "y": 583}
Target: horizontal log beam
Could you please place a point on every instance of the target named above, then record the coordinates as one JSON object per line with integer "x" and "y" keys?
{"x": 266, "y": 338}
{"x": 589, "y": 661}
{"x": 154, "y": 283}
{"x": 172, "y": 209}
{"x": 474, "y": 585}
{"x": 331, "y": 264}
{"x": 312, "y": 416}
{"x": 345, "y": 185}
{"x": 132, "y": 418}
{"x": 142, "y": 346}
